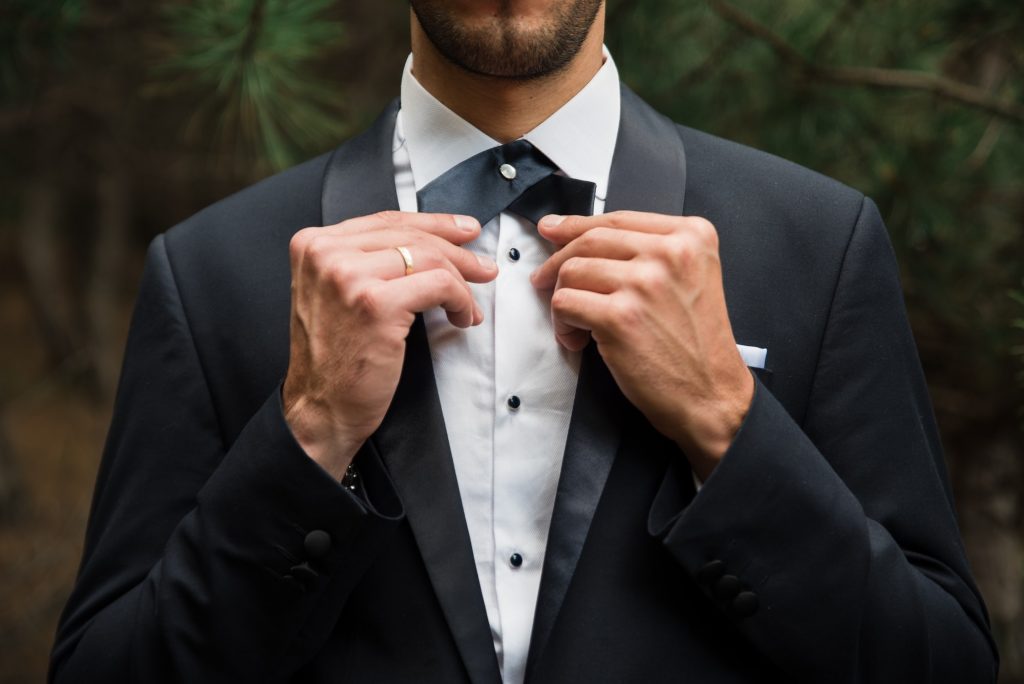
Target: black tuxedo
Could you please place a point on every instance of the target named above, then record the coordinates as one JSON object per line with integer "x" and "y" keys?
{"x": 831, "y": 512}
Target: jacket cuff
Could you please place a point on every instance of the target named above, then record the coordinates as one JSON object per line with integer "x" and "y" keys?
{"x": 274, "y": 500}
{"x": 742, "y": 526}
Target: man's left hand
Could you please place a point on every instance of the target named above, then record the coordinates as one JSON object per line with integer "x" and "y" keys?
{"x": 648, "y": 288}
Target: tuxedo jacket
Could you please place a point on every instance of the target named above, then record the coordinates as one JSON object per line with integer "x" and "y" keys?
{"x": 823, "y": 548}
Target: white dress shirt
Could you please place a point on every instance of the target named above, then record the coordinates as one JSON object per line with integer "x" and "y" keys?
{"x": 507, "y": 460}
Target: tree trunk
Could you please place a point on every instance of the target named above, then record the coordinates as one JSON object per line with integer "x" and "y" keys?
{"x": 40, "y": 256}
{"x": 112, "y": 227}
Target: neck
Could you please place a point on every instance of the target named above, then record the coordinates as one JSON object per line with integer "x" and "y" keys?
{"x": 504, "y": 108}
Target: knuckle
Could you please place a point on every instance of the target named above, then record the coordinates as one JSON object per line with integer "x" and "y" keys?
{"x": 592, "y": 237}
{"x": 297, "y": 245}
{"x": 650, "y": 276}
{"x": 624, "y": 314}
{"x": 560, "y": 300}
{"x": 447, "y": 278}
{"x": 317, "y": 251}
{"x": 367, "y": 302}
{"x": 428, "y": 256}
{"x": 704, "y": 229}
{"x": 423, "y": 237}
{"x": 616, "y": 219}
{"x": 678, "y": 249}
{"x": 390, "y": 216}
{"x": 337, "y": 273}
{"x": 443, "y": 279}
{"x": 571, "y": 268}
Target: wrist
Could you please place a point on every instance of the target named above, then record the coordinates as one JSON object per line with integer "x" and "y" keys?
{"x": 714, "y": 427}
{"x": 314, "y": 431}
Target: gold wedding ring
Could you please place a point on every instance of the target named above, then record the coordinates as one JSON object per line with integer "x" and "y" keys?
{"x": 407, "y": 258}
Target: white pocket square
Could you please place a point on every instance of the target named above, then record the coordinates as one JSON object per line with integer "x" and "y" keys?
{"x": 753, "y": 356}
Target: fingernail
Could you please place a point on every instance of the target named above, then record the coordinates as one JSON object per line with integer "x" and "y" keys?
{"x": 486, "y": 261}
{"x": 466, "y": 223}
{"x": 551, "y": 220}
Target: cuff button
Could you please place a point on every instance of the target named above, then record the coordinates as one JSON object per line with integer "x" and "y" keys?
{"x": 727, "y": 587}
{"x": 317, "y": 544}
{"x": 710, "y": 572}
{"x": 745, "y": 604}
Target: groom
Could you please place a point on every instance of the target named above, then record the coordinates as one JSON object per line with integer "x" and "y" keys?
{"x": 622, "y": 402}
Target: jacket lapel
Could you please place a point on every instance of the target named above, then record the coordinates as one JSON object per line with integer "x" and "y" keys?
{"x": 412, "y": 440}
{"x": 648, "y": 174}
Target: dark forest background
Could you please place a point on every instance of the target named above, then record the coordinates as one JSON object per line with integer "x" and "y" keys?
{"x": 119, "y": 119}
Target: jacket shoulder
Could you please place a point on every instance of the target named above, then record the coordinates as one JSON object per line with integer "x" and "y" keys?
{"x": 262, "y": 215}
{"x": 720, "y": 167}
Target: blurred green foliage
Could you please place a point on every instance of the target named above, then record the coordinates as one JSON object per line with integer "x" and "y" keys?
{"x": 249, "y": 60}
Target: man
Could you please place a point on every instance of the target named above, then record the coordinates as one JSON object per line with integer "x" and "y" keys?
{"x": 563, "y": 472}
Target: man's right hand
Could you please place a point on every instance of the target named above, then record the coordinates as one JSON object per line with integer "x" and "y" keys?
{"x": 352, "y": 307}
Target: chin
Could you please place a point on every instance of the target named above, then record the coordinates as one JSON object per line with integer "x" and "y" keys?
{"x": 520, "y": 39}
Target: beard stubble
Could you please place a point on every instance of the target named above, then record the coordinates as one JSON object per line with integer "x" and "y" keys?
{"x": 503, "y": 46}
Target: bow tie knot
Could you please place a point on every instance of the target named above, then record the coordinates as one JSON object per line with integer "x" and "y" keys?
{"x": 514, "y": 177}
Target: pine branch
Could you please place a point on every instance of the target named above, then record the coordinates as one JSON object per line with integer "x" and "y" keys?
{"x": 253, "y": 65}
{"x": 871, "y": 77}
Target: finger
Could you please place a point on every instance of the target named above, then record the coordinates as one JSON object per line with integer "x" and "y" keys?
{"x": 564, "y": 229}
{"x": 454, "y": 228}
{"x": 425, "y": 290}
{"x": 575, "y": 313}
{"x": 476, "y": 268}
{"x": 389, "y": 263}
{"x": 427, "y": 252}
{"x": 601, "y": 242}
{"x": 595, "y": 274}
{"x": 423, "y": 259}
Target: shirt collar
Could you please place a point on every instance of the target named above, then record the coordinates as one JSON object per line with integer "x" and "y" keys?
{"x": 579, "y": 138}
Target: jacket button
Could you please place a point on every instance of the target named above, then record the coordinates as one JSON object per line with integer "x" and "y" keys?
{"x": 317, "y": 544}
{"x": 745, "y": 604}
{"x": 710, "y": 572}
{"x": 727, "y": 587}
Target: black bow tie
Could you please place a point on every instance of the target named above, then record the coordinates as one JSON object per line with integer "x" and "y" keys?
{"x": 514, "y": 177}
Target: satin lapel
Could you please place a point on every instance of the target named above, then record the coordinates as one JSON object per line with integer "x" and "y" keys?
{"x": 648, "y": 174}
{"x": 412, "y": 440}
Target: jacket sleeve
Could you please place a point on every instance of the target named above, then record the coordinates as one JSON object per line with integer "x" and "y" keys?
{"x": 832, "y": 544}
{"x": 199, "y": 564}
